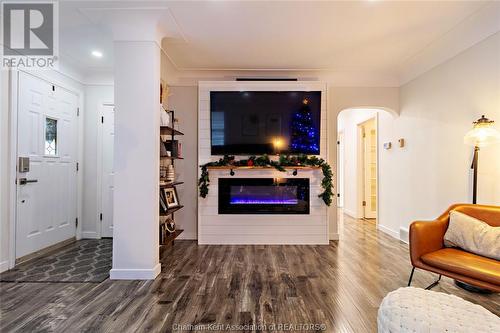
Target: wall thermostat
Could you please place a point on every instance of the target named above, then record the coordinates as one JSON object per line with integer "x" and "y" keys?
{"x": 387, "y": 145}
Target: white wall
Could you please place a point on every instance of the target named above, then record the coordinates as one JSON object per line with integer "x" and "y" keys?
{"x": 348, "y": 121}
{"x": 437, "y": 109}
{"x": 95, "y": 96}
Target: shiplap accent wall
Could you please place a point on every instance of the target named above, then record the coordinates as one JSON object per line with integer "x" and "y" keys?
{"x": 259, "y": 229}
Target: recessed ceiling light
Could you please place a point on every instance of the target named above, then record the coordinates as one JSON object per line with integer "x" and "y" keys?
{"x": 97, "y": 54}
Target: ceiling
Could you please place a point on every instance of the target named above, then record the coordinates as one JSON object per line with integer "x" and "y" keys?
{"x": 275, "y": 35}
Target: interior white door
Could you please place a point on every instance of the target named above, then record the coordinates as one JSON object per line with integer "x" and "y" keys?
{"x": 107, "y": 183}
{"x": 341, "y": 164}
{"x": 370, "y": 169}
{"x": 47, "y": 194}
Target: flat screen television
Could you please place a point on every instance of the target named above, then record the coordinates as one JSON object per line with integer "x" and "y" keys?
{"x": 265, "y": 122}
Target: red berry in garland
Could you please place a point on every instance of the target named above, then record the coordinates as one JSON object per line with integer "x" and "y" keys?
{"x": 250, "y": 162}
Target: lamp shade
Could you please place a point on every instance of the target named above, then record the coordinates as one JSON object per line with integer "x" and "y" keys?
{"x": 482, "y": 134}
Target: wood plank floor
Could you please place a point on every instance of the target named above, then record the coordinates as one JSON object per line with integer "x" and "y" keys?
{"x": 339, "y": 286}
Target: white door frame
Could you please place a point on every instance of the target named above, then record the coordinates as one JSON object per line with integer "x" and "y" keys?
{"x": 102, "y": 104}
{"x": 13, "y": 109}
{"x": 360, "y": 167}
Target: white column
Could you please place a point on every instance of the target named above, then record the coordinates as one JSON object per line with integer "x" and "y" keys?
{"x": 136, "y": 160}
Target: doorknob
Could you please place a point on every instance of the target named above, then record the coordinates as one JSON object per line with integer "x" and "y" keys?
{"x": 24, "y": 181}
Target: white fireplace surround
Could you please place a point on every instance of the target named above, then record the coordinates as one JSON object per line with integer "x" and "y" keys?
{"x": 214, "y": 228}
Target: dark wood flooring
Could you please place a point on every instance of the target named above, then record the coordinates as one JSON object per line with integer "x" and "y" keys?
{"x": 339, "y": 286}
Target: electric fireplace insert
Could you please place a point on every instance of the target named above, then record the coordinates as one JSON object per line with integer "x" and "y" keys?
{"x": 263, "y": 196}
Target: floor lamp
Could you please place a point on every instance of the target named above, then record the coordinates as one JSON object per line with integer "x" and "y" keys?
{"x": 482, "y": 134}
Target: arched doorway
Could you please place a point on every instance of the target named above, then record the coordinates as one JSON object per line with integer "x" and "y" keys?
{"x": 361, "y": 133}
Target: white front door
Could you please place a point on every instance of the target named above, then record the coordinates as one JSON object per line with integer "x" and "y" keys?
{"x": 47, "y": 193}
{"x": 107, "y": 186}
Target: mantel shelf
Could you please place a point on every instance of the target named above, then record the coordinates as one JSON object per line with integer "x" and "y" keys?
{"x": 229, "y": 167}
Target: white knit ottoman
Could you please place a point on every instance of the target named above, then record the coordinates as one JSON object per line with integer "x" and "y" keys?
{"x": 419, "y": 310}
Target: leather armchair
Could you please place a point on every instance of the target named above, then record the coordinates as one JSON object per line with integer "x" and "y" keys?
{"x": 427, "y": 250}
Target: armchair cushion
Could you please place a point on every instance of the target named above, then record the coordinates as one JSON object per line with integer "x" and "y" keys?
{"x": 465, "y": 263}
{"x": 473, "y": 235}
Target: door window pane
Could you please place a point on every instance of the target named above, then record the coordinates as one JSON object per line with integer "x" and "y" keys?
{"x": 50, "y": 137}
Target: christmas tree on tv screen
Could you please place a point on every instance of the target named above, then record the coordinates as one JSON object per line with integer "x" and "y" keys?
{"x": 304, "y": 137}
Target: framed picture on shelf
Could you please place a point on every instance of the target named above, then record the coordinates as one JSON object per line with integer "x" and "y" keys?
{"x": 163, "y": 203}
{"x": 171, "y": 197}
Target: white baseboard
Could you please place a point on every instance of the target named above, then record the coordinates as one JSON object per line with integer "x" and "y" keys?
{"x": 90, "y": 235}
{"x": 135, "y": 274}
{"x": 4, "y": 266}
{"x": 334, "y": 236}
{"x": 404, "y": 235}
{"x": 188, "y": 236}
{"x": 388, "y": 231}
{"x": 350, "y": 213}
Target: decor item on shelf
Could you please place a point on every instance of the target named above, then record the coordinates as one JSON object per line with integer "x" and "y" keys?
{"x": 264, "y": 161}
{"x": 164, "y": 92}
{"x": 163, "y": 149}
{"x": 164, "y": 117}
{"x": 171, "y": 197}
{"x": 170, "y": 225}
{"x": 482, "y": 134}
{"x": 304, "y": 137}
{"x": 163, "y": 233}
{"x": 163, "y": 172}
{"x": 174, "y": 147}
{"x": 170, "y": 176}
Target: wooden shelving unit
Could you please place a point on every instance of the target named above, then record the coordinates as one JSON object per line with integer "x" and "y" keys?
{"x": 171, "y": 132}
{"x": 167, "y": 130}
{"x": 171, "y": 238}
{"x": 172, "y": 210}
{"x": 171, "y": 184}
{"x": 172, "y": 157}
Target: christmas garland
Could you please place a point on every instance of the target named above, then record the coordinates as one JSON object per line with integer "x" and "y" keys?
{"x": 265, "y": 161}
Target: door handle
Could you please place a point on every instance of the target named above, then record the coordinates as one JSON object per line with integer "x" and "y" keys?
{"x": 24, "y": 181}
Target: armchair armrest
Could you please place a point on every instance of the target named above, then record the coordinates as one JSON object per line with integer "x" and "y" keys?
{"x": 426, "y": 237}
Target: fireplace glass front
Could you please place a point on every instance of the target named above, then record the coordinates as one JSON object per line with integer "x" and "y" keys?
{"x": 263, "y": 196}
